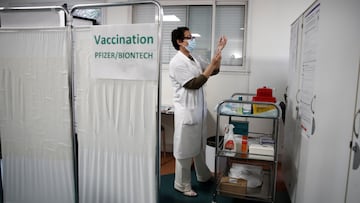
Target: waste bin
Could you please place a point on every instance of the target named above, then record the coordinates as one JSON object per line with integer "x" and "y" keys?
{"x": 210, "y": 152}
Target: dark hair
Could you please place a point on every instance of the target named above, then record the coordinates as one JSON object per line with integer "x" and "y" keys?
{"x": 178, "y": 34}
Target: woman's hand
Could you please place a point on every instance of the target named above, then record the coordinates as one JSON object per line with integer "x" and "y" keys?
{"x": 221, "y": 43}
{"x": 216, "y": 59}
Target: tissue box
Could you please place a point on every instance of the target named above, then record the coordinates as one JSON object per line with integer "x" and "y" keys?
{"x": 266, "y": 149}
{"x": 233, "y": 186}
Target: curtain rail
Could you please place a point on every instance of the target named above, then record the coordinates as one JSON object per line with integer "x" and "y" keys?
{"x": 33, "y": 8}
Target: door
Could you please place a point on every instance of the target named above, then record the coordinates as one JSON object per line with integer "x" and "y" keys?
{"x": 353, "y": 182}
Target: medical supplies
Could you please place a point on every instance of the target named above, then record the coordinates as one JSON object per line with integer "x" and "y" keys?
{"x": 252, "y": 174}
{"x": 263, "y": 94}
{"x": 229, "y": 141}
{"x": 240, "y": 127}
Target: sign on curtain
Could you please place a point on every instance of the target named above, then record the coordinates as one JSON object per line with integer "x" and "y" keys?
{"x": 124, "y": 52}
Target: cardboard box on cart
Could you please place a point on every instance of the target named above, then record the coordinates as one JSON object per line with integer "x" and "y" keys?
{"x": 233, "y": 186}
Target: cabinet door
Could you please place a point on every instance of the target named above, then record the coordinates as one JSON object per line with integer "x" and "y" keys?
{"x": 353, "y": 185}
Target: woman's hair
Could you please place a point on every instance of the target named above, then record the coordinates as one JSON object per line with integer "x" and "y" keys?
{"x": 178, "y": 34}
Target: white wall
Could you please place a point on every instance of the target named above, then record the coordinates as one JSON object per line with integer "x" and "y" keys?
{"x": 269, "y": 39}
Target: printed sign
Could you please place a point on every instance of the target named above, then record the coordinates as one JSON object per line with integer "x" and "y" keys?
{"x": 125, "y": 52}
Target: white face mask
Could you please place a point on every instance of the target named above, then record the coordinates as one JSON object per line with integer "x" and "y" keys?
{"x": 191, "y": 45}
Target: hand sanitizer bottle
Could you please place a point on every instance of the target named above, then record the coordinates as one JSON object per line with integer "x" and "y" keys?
{"x": 229, "y": 141}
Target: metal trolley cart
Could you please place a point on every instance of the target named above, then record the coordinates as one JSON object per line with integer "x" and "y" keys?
{"x": 250, "y": 172}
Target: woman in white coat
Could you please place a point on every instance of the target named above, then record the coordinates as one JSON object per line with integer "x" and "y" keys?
{"x": 188, "y": 75}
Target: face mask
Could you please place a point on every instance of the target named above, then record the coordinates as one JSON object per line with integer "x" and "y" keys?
{"x": 191, "y": 45}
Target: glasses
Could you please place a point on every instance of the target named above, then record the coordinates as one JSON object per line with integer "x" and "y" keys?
{"x": 189, "y": 37}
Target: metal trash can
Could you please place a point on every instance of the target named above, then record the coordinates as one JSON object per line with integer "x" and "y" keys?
{"x": 210, "y": 151}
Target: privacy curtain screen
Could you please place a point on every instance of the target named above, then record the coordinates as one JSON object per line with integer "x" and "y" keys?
{"x": 35, "y": 116}
{"x": 49, "y": 99}
{"x": 116, "y": 127}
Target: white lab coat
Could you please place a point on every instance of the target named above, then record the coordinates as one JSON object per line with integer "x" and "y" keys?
{"x": 190, "y": 107}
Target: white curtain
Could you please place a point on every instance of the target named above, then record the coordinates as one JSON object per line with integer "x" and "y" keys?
{"x": 116, "y": 126}
{"x": 35, "y": 118}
